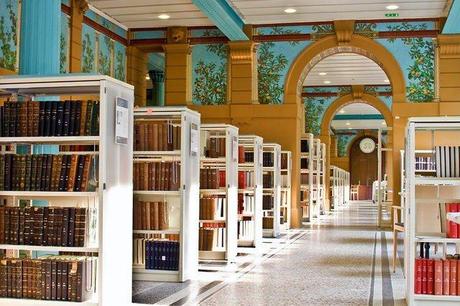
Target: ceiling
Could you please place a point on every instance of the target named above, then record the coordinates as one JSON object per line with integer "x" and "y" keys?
{"x": 346, "y": 69}
{"x": 272, "y": 11}
{"x": 144, "y": 13}
{"x": 358, "y": 109}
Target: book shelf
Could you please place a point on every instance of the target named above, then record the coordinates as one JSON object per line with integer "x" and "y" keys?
{"x": 271, "y": 189}
{"x": 338, "y": 187}
{"x": 322, "y": 179}
{"x": 166, "y": 196}
{"x": 249, "y": 192}
{"x": 306, "y": 175}
{"x": 90, "y": 215}
{"x": 431, "y": 198}
{"x": 285, "y": 206}
{"x": 218, "y": 192}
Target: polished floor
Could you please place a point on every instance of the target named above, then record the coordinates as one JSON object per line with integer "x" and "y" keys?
{"x": 342, "y": 259}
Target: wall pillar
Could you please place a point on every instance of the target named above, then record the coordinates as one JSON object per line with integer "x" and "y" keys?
{"x": 157, "y": 78}
{"x": 178, "y": 84}
{"x": 136, "y": 72}
{"x": 333, "y": 149}
{"x": 40, "y": 33}
{"x": 242, "y": 85}
{"x": 449, "y": 74}
{"x": 78, "y": 8}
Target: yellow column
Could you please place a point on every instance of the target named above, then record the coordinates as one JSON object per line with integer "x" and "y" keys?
{"x": 178, "y": 76}
{"x": 242, "y": 85}
{"x": 449, "y": 74}
{"x": 333, "y": 149}
{"x": 78, "y": 8}
{"x": 136, "y": 73}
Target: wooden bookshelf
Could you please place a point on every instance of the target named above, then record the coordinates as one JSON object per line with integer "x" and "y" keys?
{"x": 180, "y": 128}
{"x": 307, "y": 187}
{"x": 271, "y": 190}
{"x": 426, "y": 198}
{"x": 219, "y": 159}
{"x": 107, "y": 231}
{"x": 285, "y": 206}
{"x": 250, "y": 218}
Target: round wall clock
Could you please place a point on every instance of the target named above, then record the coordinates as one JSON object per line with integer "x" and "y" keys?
{"x": 367, "y": 145}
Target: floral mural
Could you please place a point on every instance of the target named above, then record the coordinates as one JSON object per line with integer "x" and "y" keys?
{"x": 64, "y": 46}
{"x": 88, "y": 62}
{"x": 210, "y": 72}
{"x": 343, "y": 141}
{"x": 9, "y": 34}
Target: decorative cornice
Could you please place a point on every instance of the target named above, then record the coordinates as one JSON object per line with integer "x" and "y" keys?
{"x": 242, "y": 52}
{"x": 357, "y": 91}
{"x": 344, "y": 30}
{"x": 81, "y": 5}
{"x": 177, "y": 48}
{"x": 449, "y": 45}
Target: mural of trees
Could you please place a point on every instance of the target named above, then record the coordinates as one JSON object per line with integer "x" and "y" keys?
{"x": 342, "y": 144}
{"x": 120, "y": 66}
{"x": 210, "y": 82}
{"x": 105, "y": 52}
{"x": 314, "y": 109}
{"x": 88, "y": 59}
{"x": 421, "y": 70}
{"x": 8, "y": 34}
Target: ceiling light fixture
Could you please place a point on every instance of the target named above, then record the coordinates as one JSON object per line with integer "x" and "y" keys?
{"x": 348, "y": 123}
{"x": 342, "y": 111}
{"x": 349, "y": 128}
{"x": 164, "y": 16}
{"x": 322, "y": 73}
{"x": 290, "y": 10}
{"x": 147, "y": 77}
{"x": 392, "y": 7}
{"x": 386, "y": 81}
{"x": 327, "y": 82}
{"x": 384, "y": 123}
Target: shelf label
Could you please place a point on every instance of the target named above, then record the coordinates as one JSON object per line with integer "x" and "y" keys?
{"x": 194, "y": 140}
{"x": 121, "y": 121}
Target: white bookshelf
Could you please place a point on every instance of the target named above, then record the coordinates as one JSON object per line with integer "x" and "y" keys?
{"x": 223, "y": 248}
{"x": 322, "y": 179}
{"x": 285, "y": 200}
{"x": 250, "y": 220}
{"x": 182, "y": 204}
{"x": 424, "y": 197}
{"x": 274, "y": 191}
{"x": 339, "y": 185}
{"x": 109, "y": 236}
{"x": 306, "y": 175}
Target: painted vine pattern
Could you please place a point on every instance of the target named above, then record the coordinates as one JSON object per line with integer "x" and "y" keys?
{"x": 88, "y": 54}
{"x": 8, "y": 38}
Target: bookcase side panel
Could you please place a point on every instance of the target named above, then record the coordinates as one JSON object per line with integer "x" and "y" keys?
{"x": 258, "y": 193}
{"x": 232, "y": 192}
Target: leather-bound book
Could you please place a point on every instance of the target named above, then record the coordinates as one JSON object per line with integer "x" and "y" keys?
{"x": 150, "y": 136}
{"x": 89, "y": 115}
{"x": 58, "y": 280}
{"x": 48, "y": 173}
{"x": 2, "y": 225}
{"x": 14, "y": 119}
{"x": 59, "y": 119}
{"x": 46, "y": 226}
{"x": 71, "y": 228}
{"x": 15, "y": 173}
{"x": 80, "y": 277}
{"x": 35, "y": 118}
{"x": 79, "y": 172}
{"x": 53, "y": 280}
{"x": 170, "y": 136}
{"x": 163, "y": 215}
{"x": 55, "y": 172}
{"x": 155, "y": 137}
{"x": 145, "y": 176}
{"x": 47, "y": 123}
{"x": 28, "y": 225}
{"x": 28, "y": 173}
{"x": 453, "y": 277}
{"x": 85, "y": 177}
{"x": 446, "y": 277}
{"x": 22, "y": 119}
{"x": 62, "y": 172}
{"x": 38, "y": 225}
{"x": 80, "y": 227}
{"x": 430, "y": 276}
{"x": 58, "y": 225}
{"x": 141, "y": 143}
{"x": 147, "y": 215}
{"x": 452, "y": 227}
{"x": 53, "y": 119}
{"x": 14, "y": 226}
{"x": 95, "y": 119}
{"x": 21, "y": 227}
{"x": 2, "y": 172}
{"x": 176, "y": 137}
{"x": 43, "y": 177}
{"x": 5, "y": 120}
{"x": 72, "y": 118}
{"x": 84, "y": 105}
{"x": 7, "y": 171}
{"x": 22, "y": 173}
{"x": 72, "y": 172}
{"x": 64, "y": 280}
{"x": 52, "y": 226}
{"x": 66, "y": 120}
{"x": 161, "y": 140}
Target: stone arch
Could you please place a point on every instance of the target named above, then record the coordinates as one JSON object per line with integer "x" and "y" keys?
{"x": 328, "y": 46}
{"x": 350, "y": 99}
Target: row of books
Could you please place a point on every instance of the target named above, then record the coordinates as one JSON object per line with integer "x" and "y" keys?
{"x": 58, "y": 278}
{"x": 44, "y": 226}
{"x": 156, "y": 254}
{"x": 212, "y": 207}
{"x": 453, "y": 229}
{"x": 285, "y": 182}
{"x": 156, "y": 136}
{"x": 268, "y": 159}
{"x": 267, "y": 222}
{"x": 304, "y": 179}
{"x": 248, "y": 157}
{"x": 49, "y": 118}
{"x": 304, "y": 163}
{"x": 211, "y": 239}
{"x": 212, "y": 178}
{"x": 46, "y": 172}
{"x": 246, "y": 203}
{"x": 150, "y": 215}
{"x": 139, "y": 245}
{"x": 268, "y": 180}
{"x": 267, "y": 202}
{"x": 284, "y": 161}
{"x": 447, "y": 161}
{"x": 215, "y": 147}
{"x": 304, "y": 146}
{"x": 438, "y": 276}
{"x": 245, "y": 179}
{"x": 425, "y": 163}
{"x": 241, "y": 154}
{"x": 156, "y": 175}
{"x": 246, "y": 229}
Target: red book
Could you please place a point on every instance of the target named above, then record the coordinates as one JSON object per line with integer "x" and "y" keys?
{"x": 446, "y": 276}
{"x": 222, "y": 178}
{"x": 241, "y": 158}
{"x": 438, "y": 277}
{"x": 418, "y": 275}
{"x": 424, "y": 275}
{"x": 453, "y": 277}
{"x": 452, "y": 227}
{"x": 430, "y": 276}
{"x": 241, "y": 180}
{"x": 458, "y": 277}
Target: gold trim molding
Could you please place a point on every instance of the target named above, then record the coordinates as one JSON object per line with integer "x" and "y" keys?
{"x": 449, "y": 45}
{"x": 242, "y": 52}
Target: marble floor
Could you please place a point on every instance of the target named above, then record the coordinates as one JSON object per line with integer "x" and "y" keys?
{"x": 342, "y": 259}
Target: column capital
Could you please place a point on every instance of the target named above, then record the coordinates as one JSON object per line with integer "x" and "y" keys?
{"x": 344, "y": 30}
{"x": 449, "y": 45}
{"x": 242, "y": 52}
{"x": 157, "y": 75}
{"x": 357, "y": 91}
{"x": 80, "y": 5}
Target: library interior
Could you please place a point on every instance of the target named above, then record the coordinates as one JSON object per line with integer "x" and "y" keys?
{"x": 229, "y": 152}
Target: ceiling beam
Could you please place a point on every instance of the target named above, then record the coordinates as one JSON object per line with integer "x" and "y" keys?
{"x": 452, "y": 25}
{"x": 224, "y": 17}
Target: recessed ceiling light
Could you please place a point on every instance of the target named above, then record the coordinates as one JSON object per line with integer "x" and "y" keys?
{"x": 322, "y": 73}
{"x": 349, "y": 128}
{"x": 386, "y": 81}
{"x": 384, "y": 123}
{"x": 348, "y": 123}
{"x": 290, "y": 10}
{"x": 164, "y": 16}
{"x": 397, "y": 117}
{"x": 327, "y": 82}
{"x": 342, "y": 111}
{"x": 147, "y": 77}
{"x": 392, "y": 7}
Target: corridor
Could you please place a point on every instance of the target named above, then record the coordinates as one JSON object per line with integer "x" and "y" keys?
{"x": 341, "y": 260}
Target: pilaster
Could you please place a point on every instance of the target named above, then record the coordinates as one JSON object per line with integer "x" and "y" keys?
{"x": 136, "y": 72}
{"x": 78, "y": 9}
{"x": 242, "y": 85}
{"x": 449, "y": 72}
{"x": 178, "y": 78}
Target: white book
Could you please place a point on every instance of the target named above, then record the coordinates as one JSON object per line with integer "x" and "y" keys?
{"x": 438, "y": 161}
{"x": 457, "y": 162}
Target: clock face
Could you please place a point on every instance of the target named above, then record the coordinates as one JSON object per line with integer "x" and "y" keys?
{"x": 367, "y": 145}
